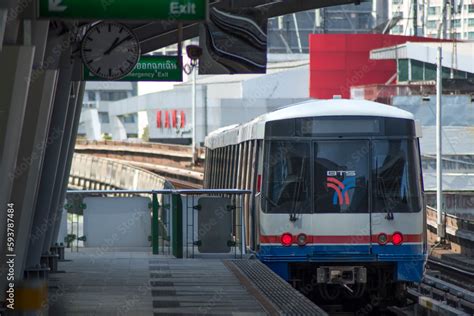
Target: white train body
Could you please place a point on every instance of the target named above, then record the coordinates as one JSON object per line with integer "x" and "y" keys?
{"x": 336, "y": 183}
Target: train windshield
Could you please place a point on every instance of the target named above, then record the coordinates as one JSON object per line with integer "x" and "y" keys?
{"x": 288, "y": 181}
{"x": 342, "y": 176}
{"x": 395, "y": 171}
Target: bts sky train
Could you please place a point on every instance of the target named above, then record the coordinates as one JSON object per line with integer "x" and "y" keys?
{"x": 337, "y": 204}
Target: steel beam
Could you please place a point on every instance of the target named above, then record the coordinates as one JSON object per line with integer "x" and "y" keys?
{"x": 41, "y": 222}
{"x": 62, "y": 157}
{"x": 32, "y": 145}
{"x": 30, "y": 159}
{"x": 15, "y": 65}
{"x": 3, "y": 25}
{"x": 154, "y": 224}
{"x": 65, "y": 161}
{"x": 157, "y": 35}
{"x": 39, "y": 33}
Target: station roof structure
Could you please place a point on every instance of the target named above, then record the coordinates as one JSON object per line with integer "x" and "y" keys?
{"x": 156, "y": 35}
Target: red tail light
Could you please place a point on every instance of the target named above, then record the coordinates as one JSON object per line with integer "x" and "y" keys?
{"x": 382, "y": 239}
{"x": 286, "y": 239}
{"x": 397, "y": 238}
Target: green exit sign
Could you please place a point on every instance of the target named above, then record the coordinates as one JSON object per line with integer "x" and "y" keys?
{"x": 149, "y": 68}
{"x": 180, "y": 10}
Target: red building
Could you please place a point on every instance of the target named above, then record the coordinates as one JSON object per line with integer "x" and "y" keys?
{"x": 339, "y": 61}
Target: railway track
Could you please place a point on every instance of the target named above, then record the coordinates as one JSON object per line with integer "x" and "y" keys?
{"x": 452, "y": 274}
{"x": 445, "y": 290}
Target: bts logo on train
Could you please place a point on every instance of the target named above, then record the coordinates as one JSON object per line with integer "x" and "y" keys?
{"x": 341, "y": 196}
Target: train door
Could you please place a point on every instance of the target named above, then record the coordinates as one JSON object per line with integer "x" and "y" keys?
{"x": 341, "y": 196}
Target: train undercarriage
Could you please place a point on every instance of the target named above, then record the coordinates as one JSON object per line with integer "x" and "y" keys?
{"x": 366, "y": 288}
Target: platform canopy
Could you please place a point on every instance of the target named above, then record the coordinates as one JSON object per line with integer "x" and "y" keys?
{"x": 156, "y": 35}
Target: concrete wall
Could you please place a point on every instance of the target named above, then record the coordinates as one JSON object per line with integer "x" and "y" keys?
{"x": 89, "y": 172}
{"x": 117, "y": 222}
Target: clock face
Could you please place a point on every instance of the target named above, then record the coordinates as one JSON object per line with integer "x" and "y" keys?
{"x": 110, "y": 50}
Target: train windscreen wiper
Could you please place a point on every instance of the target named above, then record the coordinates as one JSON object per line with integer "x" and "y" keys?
{"x": 299, "y": 184}
{"x": 381, "y": 191}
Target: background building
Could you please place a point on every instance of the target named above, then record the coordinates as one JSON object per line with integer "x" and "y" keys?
{"x": 288, "y": 48}
{"x": 221, "y": 100}
{"x": 289, "y": 34}
{"x": 434, "y": 18}
{"x": 95, "y": 123}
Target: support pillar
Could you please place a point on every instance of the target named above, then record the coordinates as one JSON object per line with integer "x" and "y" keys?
{"x": 15, "y": 64}
{"x": 67, "y": 162}
{"x": 3, "y": 25}
{"x": 34, "y": 140}
{"x": 41, "y": 221}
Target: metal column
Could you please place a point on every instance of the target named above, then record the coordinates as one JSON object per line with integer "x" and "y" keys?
{"x": 30, "y": 159}
{"x": 41, "y": 222}
{"x": 32, "y": 144}
{"x": 154, "y": 224}
{"x": 439, "y": 149}
{"x": 177, "y": 225}
{"x": 194, "y": 101}
{"x": 67, "y": 151}
{"x": 74, "y": 129}
{"x": 15, "y": 64}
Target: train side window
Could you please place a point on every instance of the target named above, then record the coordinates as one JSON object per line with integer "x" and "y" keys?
{"x": 395, "y": 170}
{"x": 341, "y": 176}
{"x": 288, "y": 180}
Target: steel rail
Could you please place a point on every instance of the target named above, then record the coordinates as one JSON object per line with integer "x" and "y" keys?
{"x": 449, "y": 267}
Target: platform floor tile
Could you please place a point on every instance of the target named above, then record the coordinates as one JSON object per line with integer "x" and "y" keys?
{"x": 199, "y": 287}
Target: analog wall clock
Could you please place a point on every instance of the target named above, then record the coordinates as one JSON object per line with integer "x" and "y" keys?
{"x": 110, "y": 50}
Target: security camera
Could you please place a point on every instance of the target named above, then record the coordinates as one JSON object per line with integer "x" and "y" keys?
{"x": 194, "y": 52}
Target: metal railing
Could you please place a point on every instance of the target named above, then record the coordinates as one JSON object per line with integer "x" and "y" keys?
{"x": 168, "y": 214}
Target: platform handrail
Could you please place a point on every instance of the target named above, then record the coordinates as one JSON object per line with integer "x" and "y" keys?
{"x": 172, "y": 208}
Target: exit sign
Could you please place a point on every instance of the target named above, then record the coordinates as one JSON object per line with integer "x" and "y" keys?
{"x": 180, "y": 10}
{"x": 148, "y": 68}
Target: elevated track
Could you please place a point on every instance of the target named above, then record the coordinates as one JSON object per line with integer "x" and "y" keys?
{"x": 174, "y": 162}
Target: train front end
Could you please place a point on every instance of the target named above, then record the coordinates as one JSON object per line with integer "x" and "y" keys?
{"x": 341, "y": 208}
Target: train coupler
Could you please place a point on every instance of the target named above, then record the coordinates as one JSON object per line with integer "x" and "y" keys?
{"x": 341, "y": 275}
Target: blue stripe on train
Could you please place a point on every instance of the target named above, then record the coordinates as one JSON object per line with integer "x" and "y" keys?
{"x": 410, "y": 258}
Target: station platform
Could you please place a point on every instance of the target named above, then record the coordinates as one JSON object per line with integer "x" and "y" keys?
{"x": 102, "y": 281}
{"x": 135, "y": 282}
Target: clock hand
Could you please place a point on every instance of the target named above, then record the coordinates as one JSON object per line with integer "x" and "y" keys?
{"x": 96, "y": 59}
{"x": 117, "y": 44}
{"x": 107, "y": 52}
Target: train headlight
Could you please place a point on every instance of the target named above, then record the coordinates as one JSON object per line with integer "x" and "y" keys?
{"x": 397, "y": 238}
{"x": 302, "y": 239}
{"x": 382, "y": 239}
{"x": 286, "y": 239}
